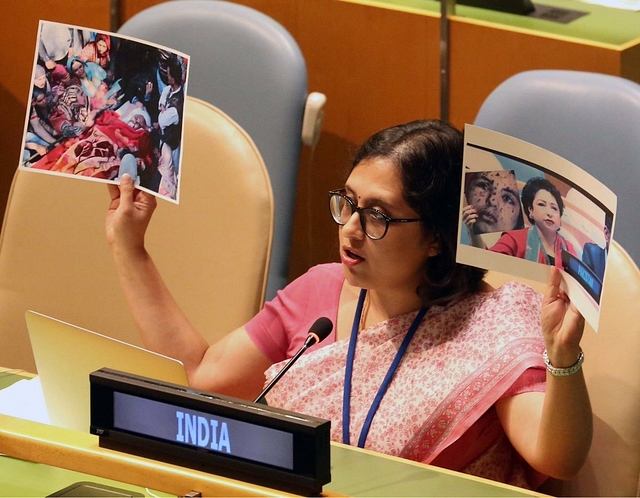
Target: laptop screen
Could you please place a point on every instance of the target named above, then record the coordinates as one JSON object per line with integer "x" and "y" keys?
{"x": 65, "y": 355}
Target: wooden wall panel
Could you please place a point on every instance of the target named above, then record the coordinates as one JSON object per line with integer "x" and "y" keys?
{"x": 18, "y": 33}
{"x": 483, "y": 56}
{"x": 377, "y": 68}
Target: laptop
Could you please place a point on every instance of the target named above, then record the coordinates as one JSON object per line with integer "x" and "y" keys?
{"x": 65, "y": 355}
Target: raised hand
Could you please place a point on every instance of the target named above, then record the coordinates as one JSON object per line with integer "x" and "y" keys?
{"x": 562, "y": 324}
{"x": 128, "y": 216}
{"x": 469, "y": 217}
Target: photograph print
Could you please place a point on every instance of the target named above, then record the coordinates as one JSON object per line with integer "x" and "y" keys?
{"x": 102, "y": 105}
{"x": 524, "y": 209}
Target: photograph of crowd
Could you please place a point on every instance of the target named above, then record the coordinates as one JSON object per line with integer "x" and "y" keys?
{"x": 102, "y": 105}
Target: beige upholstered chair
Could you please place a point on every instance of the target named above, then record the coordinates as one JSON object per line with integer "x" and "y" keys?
{"x": 248, "y": 65}
{"x": 212, "y": 249}
{"x": 590, "y": 119}
{"x": 612, "y": 372}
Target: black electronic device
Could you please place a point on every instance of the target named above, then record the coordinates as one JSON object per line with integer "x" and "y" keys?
{"x": 210, "y": 432}
{"x": 522, "y": 7}
{"x": 583, "y": 274}
{"x": 87, "y": 489}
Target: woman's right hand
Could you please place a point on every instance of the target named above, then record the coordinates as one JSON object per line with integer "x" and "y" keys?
{"x": 128, "y": 216}
{"x": 469, "y": 217}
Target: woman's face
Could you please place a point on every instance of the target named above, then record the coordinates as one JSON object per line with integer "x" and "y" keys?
{"x": 77, "y": 68}
{"x": 395, "y": 261}
{"x": 545, "y": 212}
{"x": 494, "y": 195}
{"x": 40, "y": 100}
{"x": 40, "y": 82}
{"x": 102, "y": 47}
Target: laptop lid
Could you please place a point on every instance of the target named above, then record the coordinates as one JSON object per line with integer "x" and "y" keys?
{"x": 65, "y": 355}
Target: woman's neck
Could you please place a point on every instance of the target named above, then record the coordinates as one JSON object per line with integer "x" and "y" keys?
{"x": 388, "y": 304}
{"x": 548, "y": 240}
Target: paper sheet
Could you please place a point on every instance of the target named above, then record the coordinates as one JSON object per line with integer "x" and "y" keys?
{"x": 617, "y": 4}
{"x": 24, "y": 399}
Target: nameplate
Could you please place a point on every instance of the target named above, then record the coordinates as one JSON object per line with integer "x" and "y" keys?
{"x": 583, "y": 274}
{"x": 209, "y": 432}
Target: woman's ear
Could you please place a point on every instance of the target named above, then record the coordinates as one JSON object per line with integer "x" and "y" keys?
{"x": 434, "y": 247}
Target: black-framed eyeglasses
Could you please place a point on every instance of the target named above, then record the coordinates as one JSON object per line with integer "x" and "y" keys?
{"x": 374, "y": 223}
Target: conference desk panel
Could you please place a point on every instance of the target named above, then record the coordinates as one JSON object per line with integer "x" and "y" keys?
{"x": 39, "y": 459}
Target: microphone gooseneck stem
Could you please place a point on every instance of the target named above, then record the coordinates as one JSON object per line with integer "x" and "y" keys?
{"x": 282, "y": 372}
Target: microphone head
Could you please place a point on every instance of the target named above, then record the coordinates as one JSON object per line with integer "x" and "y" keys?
{"x": 320, "y": 329}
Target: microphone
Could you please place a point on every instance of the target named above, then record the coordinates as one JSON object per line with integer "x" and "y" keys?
{"x": 318, "y": 332}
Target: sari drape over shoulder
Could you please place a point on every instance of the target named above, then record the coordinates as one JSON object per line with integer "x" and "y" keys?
{"x": 462, "y": 359}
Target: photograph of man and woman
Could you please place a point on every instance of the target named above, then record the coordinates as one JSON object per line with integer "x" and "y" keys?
{"x": 102, "y": 105}
{"x": 537, "y": 213}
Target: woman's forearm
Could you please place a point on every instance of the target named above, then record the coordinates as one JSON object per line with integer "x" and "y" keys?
{"x": 566, "y": 425}
{"x": 162, "y": 325}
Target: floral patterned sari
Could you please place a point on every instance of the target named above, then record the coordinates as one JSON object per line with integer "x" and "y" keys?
{"x": 462, "y": 359}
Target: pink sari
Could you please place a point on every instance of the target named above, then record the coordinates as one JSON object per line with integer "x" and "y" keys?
{"x": 462, "y": 359}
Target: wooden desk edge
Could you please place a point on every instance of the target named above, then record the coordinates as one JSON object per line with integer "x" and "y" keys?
{"x": 80, "y": 452}
{"x": 497, "y": 25}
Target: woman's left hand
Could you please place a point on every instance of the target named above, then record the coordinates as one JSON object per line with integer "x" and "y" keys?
{"x": 562, "y": 324}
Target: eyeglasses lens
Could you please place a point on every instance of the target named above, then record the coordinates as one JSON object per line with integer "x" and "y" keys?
{"x": 340, "y": 209}
{"x": 373, "y": 224}
{"x": 376, "y": 225}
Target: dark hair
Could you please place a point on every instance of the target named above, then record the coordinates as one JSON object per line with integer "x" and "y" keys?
{"x": 175, "y": 70}
{"x": 428, "y": 154}
{"x": 532, "y": 187}
{"x": 37, "y": 92}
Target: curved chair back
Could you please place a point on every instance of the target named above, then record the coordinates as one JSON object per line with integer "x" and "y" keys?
{"x": 590, "y": 119}
{"x": 612, "y": 373}
{"x": 249, "y": 66}
{"x": 212, "y": 249}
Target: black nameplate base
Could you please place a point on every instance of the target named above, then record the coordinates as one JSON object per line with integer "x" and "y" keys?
{"x": 213, "y": 433}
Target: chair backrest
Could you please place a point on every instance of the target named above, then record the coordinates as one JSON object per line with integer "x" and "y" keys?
{"x": 590, "y": 119}
{"x": 612, "y": 373}
{"x": 212, "y": 249}
{"x": 249, "y": 66}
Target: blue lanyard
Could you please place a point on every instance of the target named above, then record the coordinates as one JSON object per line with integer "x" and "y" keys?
{"x": 346, "y": 400}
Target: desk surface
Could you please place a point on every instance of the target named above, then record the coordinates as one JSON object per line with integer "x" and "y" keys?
{"x": 21, "y": 478}
{"x": 355, "y": 472}
{"x": 601, "y": 25}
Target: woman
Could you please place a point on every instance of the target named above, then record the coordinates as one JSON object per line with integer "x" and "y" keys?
{"x": 40, "y": 80}
{"x": 92, "y": 80}
{"x": 450, "y": 401}
{"x": 541, "y": 242}
{"x": 98, "y": 51}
